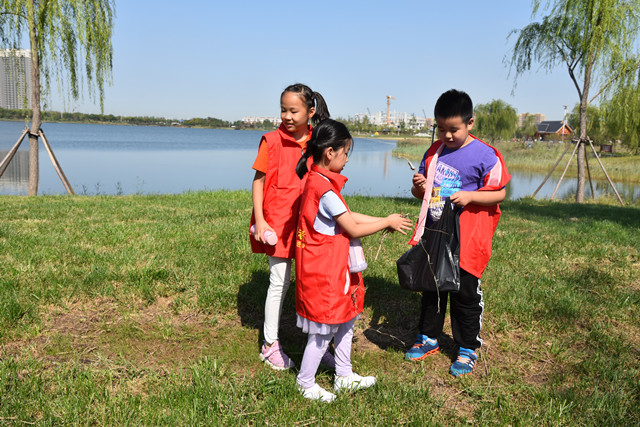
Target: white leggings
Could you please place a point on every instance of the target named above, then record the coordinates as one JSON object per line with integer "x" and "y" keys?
{"x": 317, "y": 346}
{"x": 279, "y": 279}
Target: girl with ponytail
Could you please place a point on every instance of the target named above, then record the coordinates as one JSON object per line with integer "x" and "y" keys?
{"x": 276, "y": 191}
{"x": 329, "y": 291}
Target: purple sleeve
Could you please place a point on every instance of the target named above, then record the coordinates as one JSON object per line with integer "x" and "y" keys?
{"x": 421, "y": 169}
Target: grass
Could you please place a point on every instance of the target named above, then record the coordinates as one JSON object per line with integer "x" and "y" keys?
{"x": 541, "y": 157}
{"x": 128, "y": 310}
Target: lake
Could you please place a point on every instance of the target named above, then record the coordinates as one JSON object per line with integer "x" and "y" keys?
{"x": 112, "y": 159}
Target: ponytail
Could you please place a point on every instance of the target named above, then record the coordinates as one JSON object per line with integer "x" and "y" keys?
{"x": 311, "y": 99}
{"x": 301, "y": 167}
{"x": 322, "y": 111}
{"x": 328, "y": 134}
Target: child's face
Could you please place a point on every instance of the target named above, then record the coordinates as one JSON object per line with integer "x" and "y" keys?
{"x": 337, "y": 159}
{"x": 294, "y": 113}
{"x": 454, "y": 132}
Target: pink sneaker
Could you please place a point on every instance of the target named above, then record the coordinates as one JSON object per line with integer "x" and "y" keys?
{"x": 275, "y": 357}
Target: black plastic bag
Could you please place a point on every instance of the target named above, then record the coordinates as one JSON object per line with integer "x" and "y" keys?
{"x": 433, "y": 264}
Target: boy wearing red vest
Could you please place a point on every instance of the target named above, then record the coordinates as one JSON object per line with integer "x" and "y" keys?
{"x": 473, "y": 175}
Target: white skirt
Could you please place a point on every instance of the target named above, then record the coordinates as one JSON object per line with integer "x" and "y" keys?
{"x": 311, "y": 327}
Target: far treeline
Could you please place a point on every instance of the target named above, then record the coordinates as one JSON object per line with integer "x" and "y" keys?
{"x": 57, "y": 116}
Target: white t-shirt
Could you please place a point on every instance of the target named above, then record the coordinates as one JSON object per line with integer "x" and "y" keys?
{"x": 329, "y": 207}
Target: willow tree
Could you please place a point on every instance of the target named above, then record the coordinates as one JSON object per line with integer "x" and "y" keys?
{"x": 70, "y": 44}
{"x": 495, "y": 120}
{"x": 596, "y": 40}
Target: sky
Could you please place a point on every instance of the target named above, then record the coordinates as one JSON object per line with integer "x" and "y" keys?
{"x": 230, "y": 59}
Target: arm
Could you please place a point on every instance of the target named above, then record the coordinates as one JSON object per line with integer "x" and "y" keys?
{"x": 482, "y": 198}
{"x": 363, "y": 219}
{"x": 360, "y": 229}
{"x": 419, "y": 183}
{"x": 257, "y": 190}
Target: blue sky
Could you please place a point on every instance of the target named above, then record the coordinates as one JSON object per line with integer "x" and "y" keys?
{"x": 230, "y": 59}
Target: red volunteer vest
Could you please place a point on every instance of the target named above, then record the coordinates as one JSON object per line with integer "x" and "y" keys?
{"x": 282, "y": 189}
{"x": 326, "y": 292}
{"x": 478, "y": 223}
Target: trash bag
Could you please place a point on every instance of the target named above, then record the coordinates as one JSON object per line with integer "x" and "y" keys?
{"x": 433, "y": 264}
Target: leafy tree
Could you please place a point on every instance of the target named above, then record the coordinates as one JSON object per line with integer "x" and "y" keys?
{"x": 68, "y": 39}
{"x": 528, "y": 128}
{"x": 621, "y": 114}
{"x": 594, "y": 39}
{"x": 595, "y": 125}
{"x": 495, "y": 120}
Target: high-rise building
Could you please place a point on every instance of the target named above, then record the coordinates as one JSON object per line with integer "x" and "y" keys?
{"x": 15, "y": 79}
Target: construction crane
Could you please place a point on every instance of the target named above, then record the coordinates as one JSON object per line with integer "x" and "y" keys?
{"x": 389, "y": 98}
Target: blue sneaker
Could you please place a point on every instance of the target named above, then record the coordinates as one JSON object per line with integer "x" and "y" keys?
{"x": 465, "y": 362}
{"x": 423, "y": 347}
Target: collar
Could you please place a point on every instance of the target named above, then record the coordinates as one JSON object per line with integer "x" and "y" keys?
{"x": 285, "y": 135}
{"x": 338, "y": 181}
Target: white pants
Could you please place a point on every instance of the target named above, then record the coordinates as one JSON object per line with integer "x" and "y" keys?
{"x": 279, "y": 280}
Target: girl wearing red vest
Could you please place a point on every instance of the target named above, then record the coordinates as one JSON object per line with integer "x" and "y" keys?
{"x": 276, "y": 191}
{"x": 329, "y": 297}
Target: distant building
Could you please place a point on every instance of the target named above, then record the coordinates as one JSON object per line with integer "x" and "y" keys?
{"x": 15, "y": 81}
{"x": 411, "y": 121}
{"x": 252, "y": 120}
{"x": 539, "y": 118}
{"x": 553, "y": 130}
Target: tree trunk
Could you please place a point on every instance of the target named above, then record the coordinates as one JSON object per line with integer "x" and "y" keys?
{"x": 583, "y": 130}
{"x": 36, "y": 120}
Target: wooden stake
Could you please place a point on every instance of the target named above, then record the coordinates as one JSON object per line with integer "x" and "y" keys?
{"x": 565, "y": 169}
{"x": 586, "y": 159}
{"x": 551, "y": 171}
{"x": 56, "y": 165}
{"x": 7, "y": 159}
{"x": 606, "y": 174}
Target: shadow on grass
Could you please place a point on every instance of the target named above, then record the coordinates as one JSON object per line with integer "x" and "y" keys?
{"x": 395, "y": 316}
{"x": 393, "y": 323}
{"x": 250, "y": 302}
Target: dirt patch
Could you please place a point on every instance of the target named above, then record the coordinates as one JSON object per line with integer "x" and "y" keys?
{"x": 133, "y": 341}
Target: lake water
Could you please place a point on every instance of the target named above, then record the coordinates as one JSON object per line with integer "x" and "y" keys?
{"x": 111, "y": 159}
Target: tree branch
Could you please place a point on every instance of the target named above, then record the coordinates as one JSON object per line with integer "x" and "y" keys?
{"x": 620, "y": 74}
{"x": 13, "y": 13}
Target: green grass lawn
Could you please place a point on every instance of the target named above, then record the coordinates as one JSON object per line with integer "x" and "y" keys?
{"x": 148, "y": 310}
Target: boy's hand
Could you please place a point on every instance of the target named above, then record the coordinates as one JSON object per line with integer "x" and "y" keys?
{"x": 462, "y": 198}
{"x": 419, "y": 180}
{"x": 399, "y": 223}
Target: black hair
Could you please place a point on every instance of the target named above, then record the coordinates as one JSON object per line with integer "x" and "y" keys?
{"x": 311, "y": 99}
{"x": 454, "y": 103}
{"x": 328, "y": 134}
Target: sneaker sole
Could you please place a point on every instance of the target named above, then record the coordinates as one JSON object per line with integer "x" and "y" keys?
{"x": 428, "y": 353}
{"x": 272, "y": 366}
{"x": 461, "y": 374}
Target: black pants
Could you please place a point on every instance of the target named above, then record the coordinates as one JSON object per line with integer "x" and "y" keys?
{"x": 466, "y": 312}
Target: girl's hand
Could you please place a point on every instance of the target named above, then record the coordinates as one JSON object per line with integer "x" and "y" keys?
{"x": 261, "y": 227}
{"x": 399, "y": 223}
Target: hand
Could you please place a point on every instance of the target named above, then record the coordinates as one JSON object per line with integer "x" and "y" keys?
{"x": 419, "y": 180}
{"x": 261, "y": 227}
{"x": 399, "y": 223}
{"x": 462, "y": 198}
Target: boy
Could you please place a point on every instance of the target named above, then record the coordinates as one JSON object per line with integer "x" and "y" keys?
{"x": 473, "y": 175}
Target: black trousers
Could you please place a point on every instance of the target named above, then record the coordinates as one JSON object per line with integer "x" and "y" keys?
{"x": 466, "y": 312}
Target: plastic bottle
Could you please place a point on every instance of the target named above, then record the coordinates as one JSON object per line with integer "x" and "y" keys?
{"x": 269, "y": 236}
{"x": 357, "y": 263}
